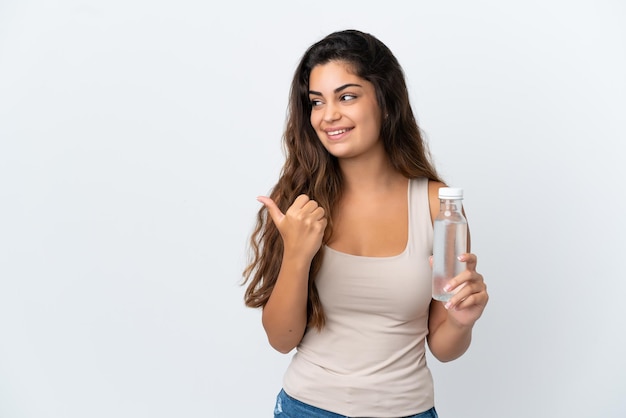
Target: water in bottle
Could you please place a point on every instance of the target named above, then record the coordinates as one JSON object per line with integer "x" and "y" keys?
{"x": 449, "y": 241}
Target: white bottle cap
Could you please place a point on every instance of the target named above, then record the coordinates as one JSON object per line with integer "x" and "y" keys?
{"x": 453, "y": 193}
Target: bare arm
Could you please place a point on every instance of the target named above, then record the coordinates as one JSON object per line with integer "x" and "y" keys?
{"x": 446, "y": 341}
{"x": 284, "y": 316}
{"x": 301, "y": 228}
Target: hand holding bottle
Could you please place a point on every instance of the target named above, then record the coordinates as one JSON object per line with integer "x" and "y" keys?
{"x": 469, "y": 293}
{"x": 455, "y": 280}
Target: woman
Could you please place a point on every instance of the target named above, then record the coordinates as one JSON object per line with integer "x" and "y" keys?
{"x": 341, "y": 251}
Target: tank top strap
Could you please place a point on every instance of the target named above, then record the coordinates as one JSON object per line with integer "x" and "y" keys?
{"x": 420, "y": 222}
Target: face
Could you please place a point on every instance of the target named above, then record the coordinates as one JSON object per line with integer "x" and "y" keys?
{"x": 344, "y": 111}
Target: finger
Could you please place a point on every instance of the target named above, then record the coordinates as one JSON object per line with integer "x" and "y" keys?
{"x": 465, "y": 291}
{"x": 474, "y": 299}
{"x": 319, "y": 213}
{"x": 466, "y": 276}
{"x": 300, "y": 201}
{"x": 310, "y": 206}
{"x": 454, "y": 283}
{"x": 272, "y": 208}
{"x": 470, "y": 261}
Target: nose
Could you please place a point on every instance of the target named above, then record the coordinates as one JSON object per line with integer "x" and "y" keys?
{"x": 331, "y": 112}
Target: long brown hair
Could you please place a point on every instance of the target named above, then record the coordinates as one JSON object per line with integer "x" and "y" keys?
{"x": 309, "y": 169}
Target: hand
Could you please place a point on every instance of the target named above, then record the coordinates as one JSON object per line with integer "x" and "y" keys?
{"x": 301, "y": 227}
{"x": 470, "y": 294}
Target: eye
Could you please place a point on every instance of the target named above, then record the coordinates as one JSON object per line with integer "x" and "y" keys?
{"x": 315, "y": 102}
{"x": 347, "y": 97}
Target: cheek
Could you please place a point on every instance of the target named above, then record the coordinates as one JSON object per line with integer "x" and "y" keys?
{"x": 315, "y": 125}
{"x": 375, "y": 121}
{"x": 315, "y": 120}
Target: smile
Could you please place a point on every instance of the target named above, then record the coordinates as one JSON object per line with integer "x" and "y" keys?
{"x": 337, "y": 132}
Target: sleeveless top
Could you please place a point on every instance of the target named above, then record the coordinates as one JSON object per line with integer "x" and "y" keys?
{"x": 369, "y": 359}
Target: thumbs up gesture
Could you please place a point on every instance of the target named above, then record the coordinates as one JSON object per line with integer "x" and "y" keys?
{"x": 301, "y": 227}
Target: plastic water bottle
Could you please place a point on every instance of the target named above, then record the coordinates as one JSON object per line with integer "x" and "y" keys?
{"x": 449, "y": 241}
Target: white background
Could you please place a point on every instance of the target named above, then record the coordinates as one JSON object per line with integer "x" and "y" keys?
{"x": 135, "y": 136}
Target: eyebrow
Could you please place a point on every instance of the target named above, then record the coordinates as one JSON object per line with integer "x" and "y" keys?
{"x": 337, "y": 90}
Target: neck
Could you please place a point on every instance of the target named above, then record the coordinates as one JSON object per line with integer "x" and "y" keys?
{"x": 369, "y": 175}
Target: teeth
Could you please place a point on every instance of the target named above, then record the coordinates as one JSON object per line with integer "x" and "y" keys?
{"x": 340, "y": 131}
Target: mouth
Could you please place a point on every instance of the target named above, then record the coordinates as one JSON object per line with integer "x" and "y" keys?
{"x": 337, "y": 133}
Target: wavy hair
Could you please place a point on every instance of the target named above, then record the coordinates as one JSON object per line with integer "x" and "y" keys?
{"x": 310, "y": 169}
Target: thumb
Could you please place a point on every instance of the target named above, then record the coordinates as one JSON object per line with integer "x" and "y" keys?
{"x": 272, "y": 208}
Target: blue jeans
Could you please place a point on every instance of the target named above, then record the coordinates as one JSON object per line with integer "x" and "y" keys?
{"x": 288, "y": 407}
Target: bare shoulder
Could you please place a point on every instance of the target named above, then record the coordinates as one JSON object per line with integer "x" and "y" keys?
{"x": 433, "y": 197}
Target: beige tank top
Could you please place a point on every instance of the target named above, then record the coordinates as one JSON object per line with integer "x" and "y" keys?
{"x": 369, "y": 359}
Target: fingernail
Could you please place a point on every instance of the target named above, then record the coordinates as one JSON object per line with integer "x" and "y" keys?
{"x": 447, "y": 288}
{"x": 447, "y": 305}
{"x": 461, "y": 257}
